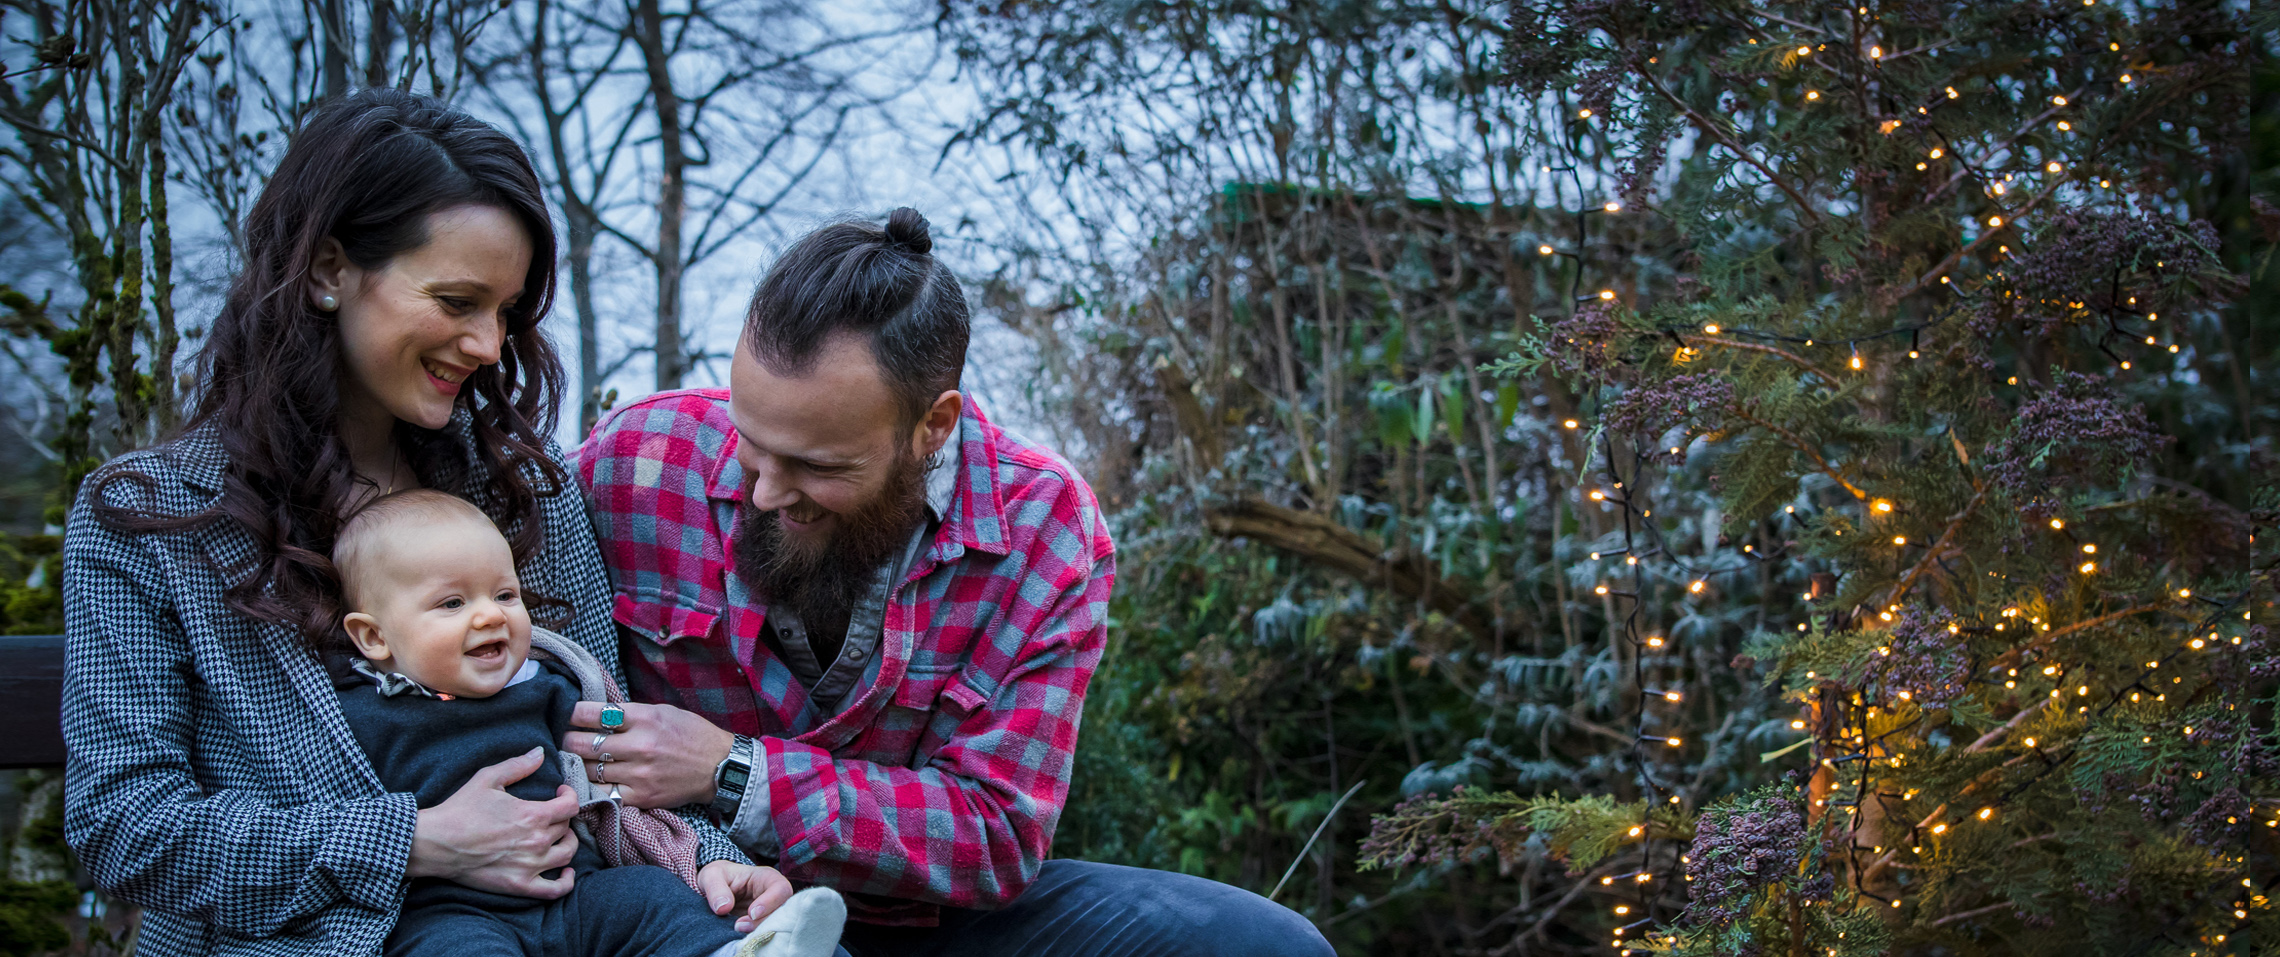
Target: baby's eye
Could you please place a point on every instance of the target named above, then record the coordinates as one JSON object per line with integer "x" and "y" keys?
{"x": 454, "y": 603}
{"x": 508, "y": 597}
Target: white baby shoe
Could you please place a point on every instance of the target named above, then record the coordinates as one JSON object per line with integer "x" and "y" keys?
{"x": 808, "y": 925}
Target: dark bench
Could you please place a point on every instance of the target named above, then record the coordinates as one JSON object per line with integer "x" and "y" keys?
{"x": 31, "y": 696}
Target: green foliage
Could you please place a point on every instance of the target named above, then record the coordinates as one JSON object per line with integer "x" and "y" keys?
{"x": 28, "y": 916}
{"x": 1431, "y": 468}
{"x": 31, "y": 584}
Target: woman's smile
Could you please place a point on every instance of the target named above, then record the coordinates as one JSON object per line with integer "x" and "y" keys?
{"x": 445, "y": 377}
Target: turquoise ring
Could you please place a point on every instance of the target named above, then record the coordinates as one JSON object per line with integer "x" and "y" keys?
{"x": 613, "y": 718}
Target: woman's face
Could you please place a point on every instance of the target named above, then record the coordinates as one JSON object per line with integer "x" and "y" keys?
{"x": 413, "y": 330}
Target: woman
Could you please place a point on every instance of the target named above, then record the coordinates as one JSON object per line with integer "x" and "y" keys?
{"x": 382, "y": 335}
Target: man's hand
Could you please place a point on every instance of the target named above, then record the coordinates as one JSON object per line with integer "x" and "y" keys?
{"x": 750, "y": 891}
{"x": 664, "y": 756}
{"x": 487, "y": 839}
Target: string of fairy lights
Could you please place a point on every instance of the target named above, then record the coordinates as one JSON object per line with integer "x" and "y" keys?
{"x": 1844, "y": 738}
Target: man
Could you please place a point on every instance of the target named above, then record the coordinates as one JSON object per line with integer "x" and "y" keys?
{"x": 865, "y": 618}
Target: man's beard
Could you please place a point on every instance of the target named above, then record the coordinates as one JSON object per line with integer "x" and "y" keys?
{"x": 820, "y": 580}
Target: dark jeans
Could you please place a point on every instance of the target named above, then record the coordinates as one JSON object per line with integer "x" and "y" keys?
{"x": 1082, "y": 909}
{"x": 612, "y": 912}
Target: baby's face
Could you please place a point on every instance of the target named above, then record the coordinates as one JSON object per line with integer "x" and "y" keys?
{"x": 441, "y": 605}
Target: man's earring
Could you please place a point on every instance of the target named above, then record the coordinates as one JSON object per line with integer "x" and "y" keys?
{"x": 327, "y": 303}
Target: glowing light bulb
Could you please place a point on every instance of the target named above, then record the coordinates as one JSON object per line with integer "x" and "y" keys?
{"x": 2052, "y": 167}
{"x": 2058, "y": 523}
{"x": 2089, "y": 548}
{"x": 1856, "y": 360}
{"x": 1937, "y": 152}
{"x": 1607, "y": 294}
{"x": 2089, "y": 568}
{"x": 1712, "y": 329}
{"x": 1899, "y": 539}
{"x": 1697, "y": 586}
{"x": 1952, "y": 94}
{"x": 1670, "y": 696}
{"x": 1613, "y": 207}
{"x": 2058, "y": 101}
{"x": 1804, "y": 51}
{"x": 2064, "y": 126}
{"x": 1994, "y": 222}
{"x": 1673, "y": 742}
{"x": 1583, "y": 114}
{"x": 2125, "y": 78}
{"x": 1875, "y": 53}
{"x": 1812, "y": 94}
{"x": 1571, "y": 423}
{"x": 1544, "y": 250}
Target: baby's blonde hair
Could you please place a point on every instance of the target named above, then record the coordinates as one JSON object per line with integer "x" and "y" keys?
{"x": 360, "y": 537}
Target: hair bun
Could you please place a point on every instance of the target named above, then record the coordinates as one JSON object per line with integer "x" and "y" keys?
{"x": 906, "y": 228}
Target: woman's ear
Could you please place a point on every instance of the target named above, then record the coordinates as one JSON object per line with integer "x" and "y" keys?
{"x": 364, "y": 631}
{"x": 331, "y": 275}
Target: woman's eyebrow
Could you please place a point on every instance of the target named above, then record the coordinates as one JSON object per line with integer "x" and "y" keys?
{"x": 468, "y": 285}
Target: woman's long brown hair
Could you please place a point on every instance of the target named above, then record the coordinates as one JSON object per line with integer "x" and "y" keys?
{"x": 368, "y": 171}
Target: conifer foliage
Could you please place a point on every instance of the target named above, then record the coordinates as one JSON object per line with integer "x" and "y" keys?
{"x": 1954, "y": 333}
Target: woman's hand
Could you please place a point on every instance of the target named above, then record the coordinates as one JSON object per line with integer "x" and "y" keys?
{"x": 750, "y": 891}
{"x": 663, "y": 757}
{"x": 487, "y": 839}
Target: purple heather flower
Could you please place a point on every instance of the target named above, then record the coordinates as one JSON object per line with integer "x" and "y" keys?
{"x": 1585, "y": 343}
{"x": 2079, "y": 434}
{"x": 1740, "y": 847}
{"x": 1927, "y": 661}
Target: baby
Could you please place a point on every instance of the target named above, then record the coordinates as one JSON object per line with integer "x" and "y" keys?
{"x": 445, "y": 682}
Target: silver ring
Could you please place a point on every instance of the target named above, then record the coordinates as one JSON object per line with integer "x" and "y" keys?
{"x": 599, "y": 738}
{"x": 604, "y": 757}
{"x": 599, "y": 767}
{"x": 614, "y": 796}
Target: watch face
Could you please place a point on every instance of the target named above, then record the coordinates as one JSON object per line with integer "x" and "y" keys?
{"x": 734, "y": 777}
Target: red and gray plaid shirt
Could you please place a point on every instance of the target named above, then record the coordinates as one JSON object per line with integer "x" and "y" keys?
{"x": 942, "y": 777}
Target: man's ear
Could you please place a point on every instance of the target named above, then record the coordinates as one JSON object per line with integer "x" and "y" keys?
{"x": 330, "y": 273}
{"x": 939, "y": 424}
{"x": 364, "y": 631}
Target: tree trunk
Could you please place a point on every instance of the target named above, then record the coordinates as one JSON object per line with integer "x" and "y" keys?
{"x": 335, "y": 45}
{"x": 649, "y": 32}
{"x": 580, "y": 223}
{"x": 1321, "y": 540}
{"x": 377, "y": 42}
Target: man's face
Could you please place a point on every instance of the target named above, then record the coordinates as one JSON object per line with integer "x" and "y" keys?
{"x": 816, "y": 448}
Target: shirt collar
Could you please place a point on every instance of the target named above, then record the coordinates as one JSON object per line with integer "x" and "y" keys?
{"x": 942, "y": 478}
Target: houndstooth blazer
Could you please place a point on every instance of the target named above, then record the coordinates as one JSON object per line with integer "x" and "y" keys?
{"x": 211, "y": 777}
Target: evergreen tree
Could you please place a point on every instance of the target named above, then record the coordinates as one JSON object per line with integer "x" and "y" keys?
{"x": 1954, "y": 335}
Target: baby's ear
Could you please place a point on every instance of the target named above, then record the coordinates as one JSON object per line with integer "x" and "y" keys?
{"x": 364, "y": 631}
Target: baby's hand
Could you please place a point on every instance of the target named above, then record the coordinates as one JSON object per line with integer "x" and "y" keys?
{"x": 752, "y": 891}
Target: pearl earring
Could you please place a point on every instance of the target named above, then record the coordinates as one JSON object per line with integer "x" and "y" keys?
{"x": 327, "y": 303}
